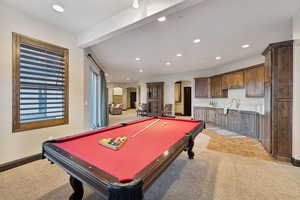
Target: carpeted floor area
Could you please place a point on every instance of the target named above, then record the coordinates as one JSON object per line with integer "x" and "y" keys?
{"x": 212, "y": 175}
{"x": 127, "y": 116}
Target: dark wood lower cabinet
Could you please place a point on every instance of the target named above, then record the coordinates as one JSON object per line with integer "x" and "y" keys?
{"x": 242, "y": 122}
{"x": 248, "y": 124}
{"x": 282, "y": 125}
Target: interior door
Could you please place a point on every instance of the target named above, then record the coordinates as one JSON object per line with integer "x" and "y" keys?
{"x": 187, "y": 101}
{"x": 132, "y": 99}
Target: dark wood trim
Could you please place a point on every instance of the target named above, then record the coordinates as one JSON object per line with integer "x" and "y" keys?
{"x": 278, "y": 44}
{"x": 19, "y": 162}
{"x": 17, "y": 39}
{"x": 295, "y": 162}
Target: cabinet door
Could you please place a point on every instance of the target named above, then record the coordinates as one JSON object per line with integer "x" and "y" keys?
{"x": 220, "y": 118}
{"x": 268, "y": 67}
{"x": 260, "y": 81}
{"x": 248, "y": 124}
{"x": 236, "y": 80}
{"x": 233, "y": 121}
{"x": 216, "y": 89}
{"x": 225, "y": 78}
{"x": 211, "y": 115}
{"x": 283, "y": 73}
{"x": 201, "y": 87}
{"x": 282, "y": 128}
{"x": 200, "y": 113}
{"x": 250, "y": 79}
{"x": 254, "y": 79}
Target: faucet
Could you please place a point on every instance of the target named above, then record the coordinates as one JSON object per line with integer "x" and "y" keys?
{"x": 237, "y": 102}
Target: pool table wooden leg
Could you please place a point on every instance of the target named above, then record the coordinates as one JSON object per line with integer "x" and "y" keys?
{"x": 191, "y": 154}
{"x": 78, "y": 189}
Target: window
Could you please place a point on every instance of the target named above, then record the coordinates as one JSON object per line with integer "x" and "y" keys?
{"x": 118, "y": 91}
{"x": 40, "y": 84}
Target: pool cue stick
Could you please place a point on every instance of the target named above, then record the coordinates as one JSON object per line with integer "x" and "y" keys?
{"x": 148, "y": 126}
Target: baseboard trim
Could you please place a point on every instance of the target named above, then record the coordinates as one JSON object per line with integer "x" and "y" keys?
{"x": 295, "y": 162}
{"x": 19, "y": 162}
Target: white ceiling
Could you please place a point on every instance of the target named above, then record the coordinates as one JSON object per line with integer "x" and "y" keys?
{"x": 223, "y": 26}
{"x": 78, "y": 15}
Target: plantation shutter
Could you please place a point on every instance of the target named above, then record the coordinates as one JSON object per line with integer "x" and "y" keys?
{"x": 41, "y": 83}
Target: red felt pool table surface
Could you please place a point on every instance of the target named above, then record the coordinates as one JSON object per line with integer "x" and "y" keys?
{"x": 136, "y": 153}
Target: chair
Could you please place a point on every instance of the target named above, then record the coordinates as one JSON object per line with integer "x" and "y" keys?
{"x": 142, "y": 109}
{"x": 116, "y": 110}
{"x": 167, "y": 112}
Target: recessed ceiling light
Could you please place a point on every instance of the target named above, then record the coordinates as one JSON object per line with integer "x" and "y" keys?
{"x": 137, "y": 59}
{"x": 127, "y": 79}
{"x": 179, "y": 55}
{"x": 58, "y": 8}
{"x": 161, "y": 19}
{"x": 196, "y": 40}
{"x": 136, "y": 4}
{"x": 218, "y": 58}
{"x": 245, "y": 46}
{"x": 141, "y": 70}
{"x": 168, "y": 63}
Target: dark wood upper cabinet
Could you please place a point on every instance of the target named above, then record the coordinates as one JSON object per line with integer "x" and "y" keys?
{"x": 202, "y": 87}
{"x": 277, "y": 137}
{"x": 252, "y": 79}
{"x": 216, "y": 87}
{"x": 225, "y": 80}
{"x": 255, "y": 81}
{"x": 236, "y": 80}
{"x": 233, "y": 80}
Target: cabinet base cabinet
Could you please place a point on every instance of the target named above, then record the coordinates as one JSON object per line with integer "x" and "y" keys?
{"x": 242, "y": 122}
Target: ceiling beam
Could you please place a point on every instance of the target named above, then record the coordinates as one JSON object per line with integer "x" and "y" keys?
{"x": 131, "y": 18}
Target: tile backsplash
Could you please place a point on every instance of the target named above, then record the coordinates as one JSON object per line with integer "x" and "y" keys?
{"x": 250, "y": 104}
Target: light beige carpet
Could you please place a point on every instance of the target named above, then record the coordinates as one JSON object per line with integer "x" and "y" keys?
{"x": 127, "y": 116}
{"x": 212, "y": 175}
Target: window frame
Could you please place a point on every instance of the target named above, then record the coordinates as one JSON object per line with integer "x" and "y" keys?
{"x": 17, "y": 126}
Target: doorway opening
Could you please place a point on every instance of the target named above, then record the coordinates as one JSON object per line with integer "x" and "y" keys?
{"x": 131, "y": 98}
{"x": 183, "y": 98}
{"x": 95, "y": 100}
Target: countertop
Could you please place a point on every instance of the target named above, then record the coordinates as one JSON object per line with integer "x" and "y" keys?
{"x": 243, "y": 109}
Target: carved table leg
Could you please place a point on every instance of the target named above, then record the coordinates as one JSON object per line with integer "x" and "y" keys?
{"x": 78, "y": 189}
{"x": 191, "y": 154}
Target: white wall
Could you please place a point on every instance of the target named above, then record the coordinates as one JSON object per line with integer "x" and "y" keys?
{"x": 296, "y": 87}
{"x": 18, "y": 145}
{"x": 170, "y": 80}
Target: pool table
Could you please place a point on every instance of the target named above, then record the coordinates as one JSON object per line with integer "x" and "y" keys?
{"x": 152, "y": 145}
